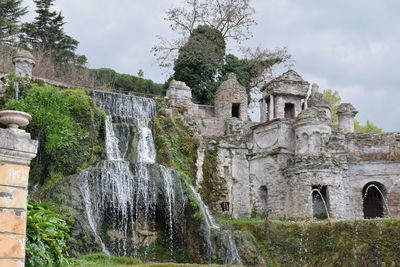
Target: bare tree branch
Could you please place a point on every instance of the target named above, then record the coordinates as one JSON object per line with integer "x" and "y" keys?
{"x": 233, "y": 18}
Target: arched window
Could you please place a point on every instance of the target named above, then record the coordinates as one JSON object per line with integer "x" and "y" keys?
{"x": 374, "y": 201}
{"x": 320, "y": 202}
{"x": 263, "y": 194}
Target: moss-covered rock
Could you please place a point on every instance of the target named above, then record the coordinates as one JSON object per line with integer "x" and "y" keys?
{"x": 68, "y": 127}
{"x": 341, "y": 243}
{"x": 176, "y": 145}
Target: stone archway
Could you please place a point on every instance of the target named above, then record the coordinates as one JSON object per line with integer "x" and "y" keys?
{"x": 374, "y": 201}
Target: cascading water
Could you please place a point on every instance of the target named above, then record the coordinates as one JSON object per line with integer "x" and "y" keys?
{"x": 230, "y": 255}
{"x": 121, "y": 193}
{"x": 127, "y": 196}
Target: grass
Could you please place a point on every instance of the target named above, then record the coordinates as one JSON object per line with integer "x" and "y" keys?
{"x": 99, "y": 259}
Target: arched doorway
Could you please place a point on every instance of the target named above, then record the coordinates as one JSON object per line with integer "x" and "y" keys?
{"x": 374, "y": 201}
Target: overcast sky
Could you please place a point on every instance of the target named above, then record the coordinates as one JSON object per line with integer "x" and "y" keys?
{"x": 347, "y": 45}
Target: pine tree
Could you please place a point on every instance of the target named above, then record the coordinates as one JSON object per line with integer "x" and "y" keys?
{"x": 46, "y": 33}
{"x": 10, "y": 14}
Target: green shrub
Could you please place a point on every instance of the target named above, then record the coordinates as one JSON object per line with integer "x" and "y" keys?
{"x": 47, "y": 234}
{"x": 67, "y": 124}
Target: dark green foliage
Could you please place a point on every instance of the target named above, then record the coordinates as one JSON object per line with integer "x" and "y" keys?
{"x": 246, "y": 70}
{"x": 126, "y": 82}
{"x": 47, "y": 235}
{"x": 67, "y": 125}
{"x": 200, "y": 61}
{"x": 10, "y": 14}
{"x": 47, "y": 35}
{"x": 211, "y": 187}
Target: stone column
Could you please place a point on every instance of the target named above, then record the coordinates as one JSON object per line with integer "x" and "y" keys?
{"x": 17, "y": 149}
{"x": 271, "y": 108}
{"x": 263, "y": 114}
{"x": 346, "y": 113}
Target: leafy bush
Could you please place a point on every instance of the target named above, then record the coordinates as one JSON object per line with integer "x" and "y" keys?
{"x": 47, "y": 234}
{"x": 67, "y": 125}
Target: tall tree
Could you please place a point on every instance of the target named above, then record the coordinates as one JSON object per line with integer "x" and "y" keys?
{"x": 200, "y": 62}
{"x": 232, "y": 18}
{"x": 46, "y": 34}
{"x": 11, "y": 12}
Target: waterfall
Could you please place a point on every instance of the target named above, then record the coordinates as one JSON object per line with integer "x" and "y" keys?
{"x": 126, "y": 195}
{"x": 121, "y": 194}
{"x": 88, "y": 207}
{"x": 124, "y": 105}
{"x": 111, "y": 142}
{"x": 146, "y": 150}
{"x": 231, "y": 255}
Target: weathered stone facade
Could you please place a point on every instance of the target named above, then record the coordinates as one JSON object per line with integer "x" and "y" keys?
{"x": 17, "y": 149}
{"x": 231, "y": 100}
{"x": 294, "y": 164}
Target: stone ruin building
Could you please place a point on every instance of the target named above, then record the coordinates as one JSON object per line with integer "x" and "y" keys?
{"x": 293, "y": 164}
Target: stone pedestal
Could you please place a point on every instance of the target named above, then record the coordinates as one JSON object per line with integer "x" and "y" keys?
{"x": 17, "y": 149}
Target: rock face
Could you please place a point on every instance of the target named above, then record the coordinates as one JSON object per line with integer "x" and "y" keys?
{"x": 293, "y": 164}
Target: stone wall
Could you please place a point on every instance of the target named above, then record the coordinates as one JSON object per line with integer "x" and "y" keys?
{"x": 231, "y": 93}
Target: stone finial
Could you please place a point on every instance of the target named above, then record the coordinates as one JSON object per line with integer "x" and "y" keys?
{"x": 314, "y": 89}
{"x": 346, "y": 113}
{"x": 316, "y": 99}
{"x": 24, "y": 62}
{"x": 14, "y": 119}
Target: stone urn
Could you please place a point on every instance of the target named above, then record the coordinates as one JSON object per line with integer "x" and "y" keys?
{"x": 14, "y": 119}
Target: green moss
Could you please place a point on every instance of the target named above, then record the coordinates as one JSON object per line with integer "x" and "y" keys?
{"x": 68, "y": 127}
{"x": 341, "y": 243}
{"x": 176, "y": 145}
{"x": 99, "y": 259}
{"x": 213, "y": 188}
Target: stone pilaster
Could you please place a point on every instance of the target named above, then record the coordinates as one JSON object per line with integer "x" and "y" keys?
{"x": 17, "y": 149}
